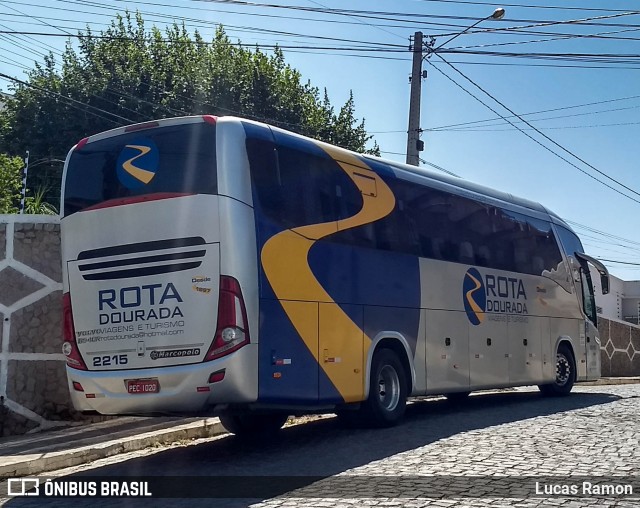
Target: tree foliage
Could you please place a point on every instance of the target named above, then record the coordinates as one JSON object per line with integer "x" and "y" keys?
{"x": 11, "y": 190}
{"x": 10, "y": 183}
{"x": 129, "y": 74}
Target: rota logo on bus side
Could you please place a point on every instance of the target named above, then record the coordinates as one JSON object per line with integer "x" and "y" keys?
{"x": 137, "y": 163}
{"x": 492, "y": 293}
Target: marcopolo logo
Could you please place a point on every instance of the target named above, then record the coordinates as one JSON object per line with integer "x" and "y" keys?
{"x": 138, "y": 163}
{"x": 174, "y": 353}
{"x": 496, "y": 294}
{"x": 474, "y": 296}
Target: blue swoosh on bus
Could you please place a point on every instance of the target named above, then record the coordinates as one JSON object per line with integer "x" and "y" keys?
{"x": 474, "y": 296}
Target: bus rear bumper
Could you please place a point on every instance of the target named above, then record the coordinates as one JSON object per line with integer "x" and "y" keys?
{"x": 182, "y": 388}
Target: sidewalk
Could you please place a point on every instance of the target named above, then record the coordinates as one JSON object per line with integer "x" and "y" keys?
{"x": 33, "y": 454}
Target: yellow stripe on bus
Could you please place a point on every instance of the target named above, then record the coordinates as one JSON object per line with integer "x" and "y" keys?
{"x": 472, "y": 303}
{"x": 140, "y": 174}
{"x": 285, "y": 262}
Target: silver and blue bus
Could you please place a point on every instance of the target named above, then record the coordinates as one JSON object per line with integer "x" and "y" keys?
{"x": 220, "y": 265}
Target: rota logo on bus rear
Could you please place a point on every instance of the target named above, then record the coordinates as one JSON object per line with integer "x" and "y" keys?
{"x": 497, "y": 294}
{"x": 138, "y": 163}
{"x": 474, "y": 296}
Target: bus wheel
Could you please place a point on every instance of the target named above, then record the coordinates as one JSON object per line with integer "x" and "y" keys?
{"x": 565, "y": 374}
{"x": 253, "y": 425}
{"x": 388, "y": 388}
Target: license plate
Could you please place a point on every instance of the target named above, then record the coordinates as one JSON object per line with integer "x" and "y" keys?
{"x": 141, "y": 386}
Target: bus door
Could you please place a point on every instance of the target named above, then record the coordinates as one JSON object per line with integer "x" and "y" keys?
{"x": 592, "y": 349}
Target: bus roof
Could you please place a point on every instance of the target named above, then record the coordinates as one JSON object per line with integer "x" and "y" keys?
{"x": 452, "y": 183}
{"x": 503, "y": 199}
{"x": 467, "y": 185}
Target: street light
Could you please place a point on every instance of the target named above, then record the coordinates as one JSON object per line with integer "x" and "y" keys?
{"x": 497, "y": 15}
{"x": 414, "y": 144}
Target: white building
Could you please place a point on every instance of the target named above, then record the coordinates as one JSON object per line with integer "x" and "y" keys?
{"x": 623, "y": 300}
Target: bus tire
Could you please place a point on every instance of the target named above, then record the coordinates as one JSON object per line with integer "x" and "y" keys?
{"x": 565, "y": 374}
{"x": 253, "y": 425}
{"x": 388, "y": 389}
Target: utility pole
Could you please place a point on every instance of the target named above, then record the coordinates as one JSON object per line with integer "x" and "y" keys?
{"x": 414, "y": 144}
{"x": 413, "y": 138}
{"x": 23, "y": 194}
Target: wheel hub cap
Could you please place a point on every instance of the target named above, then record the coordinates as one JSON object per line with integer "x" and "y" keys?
{"x": 388, "y": 388}
{"x": 563, "y": 370}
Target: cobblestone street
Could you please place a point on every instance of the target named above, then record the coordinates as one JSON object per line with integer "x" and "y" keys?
{"x": 598, "y": 439}
{"x": 488, "y": 451}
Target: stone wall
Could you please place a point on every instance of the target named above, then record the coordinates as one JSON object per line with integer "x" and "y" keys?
{"x": 33, "y": 384}
{"x": 620, "y": 346}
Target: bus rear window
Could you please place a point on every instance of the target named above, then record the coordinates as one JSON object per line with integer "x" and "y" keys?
{"x": 172, "y": 159}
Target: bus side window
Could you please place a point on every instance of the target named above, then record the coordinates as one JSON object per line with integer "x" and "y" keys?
{"x": 483, "y": 257}
{"x": 265, "y": 174}
{"x": 537, "y": 265}
{"x": 466, "y": 253}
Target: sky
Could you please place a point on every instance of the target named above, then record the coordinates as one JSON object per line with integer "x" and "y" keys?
{"x": 565, "y": 75}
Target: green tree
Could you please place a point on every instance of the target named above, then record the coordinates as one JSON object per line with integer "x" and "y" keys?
{"x": 129, "y": 74}
{"x": 11, "y": 190}
{"x": 36, "y": 204}
{"x": 10, "y": 183}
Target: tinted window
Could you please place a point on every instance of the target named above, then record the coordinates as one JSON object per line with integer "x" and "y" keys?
{"x": 179, "y": 158}
{"x": 439, "y": 225}
{"x": 570, "y": 241}
{"x": 296, "y": 187}
{"x": 534, "y": 245}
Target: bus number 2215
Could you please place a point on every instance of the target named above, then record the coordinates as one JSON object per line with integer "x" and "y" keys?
{"x": 109, "y": 360}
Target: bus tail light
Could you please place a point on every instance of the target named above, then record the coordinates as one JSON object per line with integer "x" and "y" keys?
{"x": 69, "y": 346}
{"x": 232, "y": 331}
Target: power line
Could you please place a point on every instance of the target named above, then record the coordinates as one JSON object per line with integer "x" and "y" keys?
{"x": 525, "y": 6}
{"x": 609, "y": 66}
{"x": 306, "y": 35}
{"x": 88, "y": 108}
{"x": 109, "y": 14}
{"x": 619, "y": 262}
{"x": 374, "y": 46}
{"x": 384, "y": 48}
{"x": 532, "y": 138}
{"x": 559, "y": 37}
{"x": 603, "y": 233}
{"x": 488, "y": 121}
{"x": 545, "y": 136}
{"x": 551, "y": 110}
{"x": 561, "y": 127}
{"x": 411, "y": 17}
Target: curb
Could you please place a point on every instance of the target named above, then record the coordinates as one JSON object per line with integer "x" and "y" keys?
{"x": 32, "y": 464}
{"x": 603, "y": 381}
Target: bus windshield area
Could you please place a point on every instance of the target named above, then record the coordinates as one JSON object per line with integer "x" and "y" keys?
{"x": 177, "y": 159}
